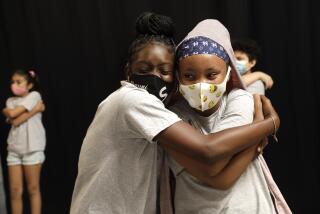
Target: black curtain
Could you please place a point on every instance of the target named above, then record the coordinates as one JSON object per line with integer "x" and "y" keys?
{"x": 79, "y": 49}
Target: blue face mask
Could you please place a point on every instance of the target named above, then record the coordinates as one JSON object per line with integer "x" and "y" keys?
{"x": 241, "y": 66}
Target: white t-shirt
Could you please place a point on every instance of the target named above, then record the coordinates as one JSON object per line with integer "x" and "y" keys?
{"x": 117, "y": 171}
{"x": 250, "y": 194}
{"x": 257, "y": 87}
{"x": 29, "y": 136}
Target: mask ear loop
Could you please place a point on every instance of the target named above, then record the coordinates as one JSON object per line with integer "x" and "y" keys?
{"x": 229, "y": 77}
{"x": 228, "y": 73}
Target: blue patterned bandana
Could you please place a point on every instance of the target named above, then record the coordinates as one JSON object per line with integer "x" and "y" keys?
{"x": 201, "y": 45}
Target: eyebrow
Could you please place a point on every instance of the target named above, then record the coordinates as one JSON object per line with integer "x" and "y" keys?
{"x": 207, "y": 70}
{"x": 147, "y": 62}
{"x": 189, "y": 70}
{"x": 213, "y": 69}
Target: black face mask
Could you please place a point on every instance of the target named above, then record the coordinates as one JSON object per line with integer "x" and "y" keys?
{"x": 153, "y": 84}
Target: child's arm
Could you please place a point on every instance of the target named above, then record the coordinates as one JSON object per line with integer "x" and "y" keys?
{"x": 12, "y": 113}
{"x": 195, "y": 167}
{"x": 231, "y": 173}
{"x": 40, "y": 107}
{"x": 28, "y": 103}
{"x": 220, "y": 175}
{"x": 223, "y": 173}
{"x": 257, "y": 75}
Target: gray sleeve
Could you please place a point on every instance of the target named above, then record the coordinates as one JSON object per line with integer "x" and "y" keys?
{"x": 9, "y": 103}
{"x": 239, "y": 110}
{"x": 30, "y": 101}
{"x": 256, "y": 88}
{"x": 146, "y": 115}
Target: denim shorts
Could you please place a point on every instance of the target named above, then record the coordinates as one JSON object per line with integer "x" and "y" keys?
{"x": 31, "y": 158}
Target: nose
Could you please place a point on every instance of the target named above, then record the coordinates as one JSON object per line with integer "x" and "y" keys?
{"x": 155, "y": 71}
{"x": 203, "y": 79}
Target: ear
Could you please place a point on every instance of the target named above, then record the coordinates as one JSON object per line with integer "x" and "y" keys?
{"x": 252, "y": 63}
{"x": 127, "y": 71}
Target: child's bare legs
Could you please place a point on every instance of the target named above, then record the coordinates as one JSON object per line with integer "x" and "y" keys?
{"x": 16, "y": 188}
{"x": 32, "y": 175}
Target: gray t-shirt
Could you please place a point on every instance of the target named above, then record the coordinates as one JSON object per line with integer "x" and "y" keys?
{"x": 256, "y": 87}
{"x": 117, "y": 171}
{"x": 250, "y": 194}
{"x": 30, "y": 135}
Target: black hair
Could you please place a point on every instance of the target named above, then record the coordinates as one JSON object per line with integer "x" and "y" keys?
{"x": 247, "y": 46}
{"x": 152, "y": 28}
{"x": 31, "y": 77}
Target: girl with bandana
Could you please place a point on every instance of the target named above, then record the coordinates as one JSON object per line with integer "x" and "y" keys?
{"x": 214, "y": 100}
{"x": 117, "y": 171}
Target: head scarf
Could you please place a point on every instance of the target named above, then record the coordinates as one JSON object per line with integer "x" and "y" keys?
{"x": 211, "y": 31}
{"x": 201, "y": 45}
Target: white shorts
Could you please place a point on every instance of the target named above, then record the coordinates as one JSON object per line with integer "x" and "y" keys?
{"x": 31, "y": 158}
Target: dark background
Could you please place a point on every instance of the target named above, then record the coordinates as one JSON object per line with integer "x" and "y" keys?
{"x": 79, "y": 48}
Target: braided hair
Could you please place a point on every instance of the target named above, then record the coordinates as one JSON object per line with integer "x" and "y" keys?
{"x": 152, "y": 28}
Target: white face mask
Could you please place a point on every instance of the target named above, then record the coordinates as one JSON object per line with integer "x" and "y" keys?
{"x": 204, "y": 96}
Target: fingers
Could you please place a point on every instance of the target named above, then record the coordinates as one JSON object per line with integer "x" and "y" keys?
{"x": 266, "y": 79}
{"x": 266, "y": 105}
{"x": 258, "y": 110}
{"x": 268, "y": 110}
{"x": 269, "y": 83}
{"x": 43, "y": 107}
{"x": 260, "y": 150}
{"x": 262, "y": 145}
{"x": 40, "y": 107}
